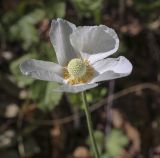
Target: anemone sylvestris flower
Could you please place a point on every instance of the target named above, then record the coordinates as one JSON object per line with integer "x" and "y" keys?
{"x": 82, "y": 57}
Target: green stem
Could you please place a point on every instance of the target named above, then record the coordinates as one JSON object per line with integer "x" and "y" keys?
{"x": 90, "y": 128}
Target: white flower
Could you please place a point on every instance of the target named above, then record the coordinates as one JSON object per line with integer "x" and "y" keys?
{"x": 81, "y": 53}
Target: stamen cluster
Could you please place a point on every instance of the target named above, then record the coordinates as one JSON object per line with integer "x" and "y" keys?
{"x": 78, "y": 71}
{"x": 76, "y": 68}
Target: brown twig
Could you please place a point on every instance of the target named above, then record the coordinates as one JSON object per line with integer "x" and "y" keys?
{"x": 132, "y": 89}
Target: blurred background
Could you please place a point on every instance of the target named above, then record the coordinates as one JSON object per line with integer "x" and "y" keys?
{"x": 37, "y": 123}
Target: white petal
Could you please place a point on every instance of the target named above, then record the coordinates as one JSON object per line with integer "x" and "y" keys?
{"x": 95, "y": 42}
{"x": 59, "y": 36}
{"x": 42, "y": 70}
{"x": 111, "y": 68}
{"x": 75, "y": 88}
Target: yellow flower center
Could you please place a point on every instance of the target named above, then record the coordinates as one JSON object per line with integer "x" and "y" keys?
{"x": 76, "y": 68}
{"x": 78, "y": 71}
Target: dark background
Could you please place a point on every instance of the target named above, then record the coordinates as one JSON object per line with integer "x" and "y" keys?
{"x": 36, "y": 123}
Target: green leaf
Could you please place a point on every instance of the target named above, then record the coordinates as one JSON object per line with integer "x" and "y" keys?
{"x": 105, "y": 155}
{"x": 75, "y": 100}
{"x": 37, "y": 90}
{"x": 47, "y": 52}
{"x": 55, "y": 9}
{"x": 94, "y": 95}
{"x": 25, "y": 31}
{"x": 34, "y": 17}
{"x": 116, "y": 142}
{"x": 60, "y": 9}
{"x": 51, "y": 98}
{"x": 87, "y": 7}
{"x": 42, "y": 93}
{"x": 14, "y": 68}
{"x": 100, "y": 140}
